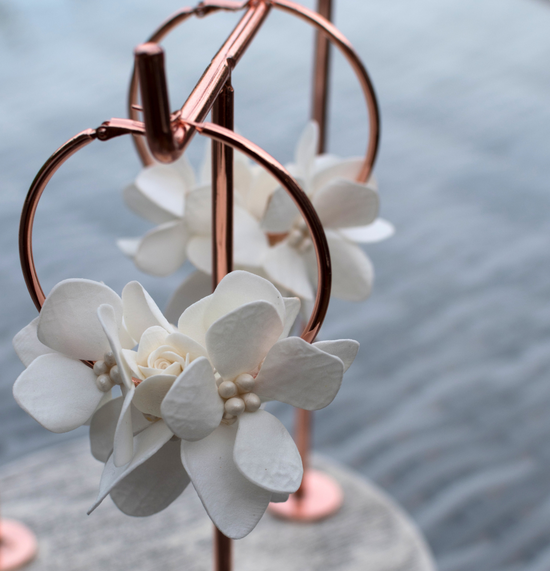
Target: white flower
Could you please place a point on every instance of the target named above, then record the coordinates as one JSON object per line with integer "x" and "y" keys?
{"x": 169, "y": 196}
{"x": 348, "y": 211}
{"x": 205, "y": 383}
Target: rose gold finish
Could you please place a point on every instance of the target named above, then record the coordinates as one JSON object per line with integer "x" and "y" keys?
{"x": 321, "y": 75}
{"x": 223, "y": 551}
{"x": 222, "y": 189}
{"x": 323, "y": 497}
{"x": 17, "y": 545}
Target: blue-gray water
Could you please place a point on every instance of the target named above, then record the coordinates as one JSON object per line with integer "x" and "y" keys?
{"x": 447, "y": 406}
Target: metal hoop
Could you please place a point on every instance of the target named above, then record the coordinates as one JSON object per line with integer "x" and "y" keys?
{"x": 309, "y": 16}
{"x": 117, "y": 127}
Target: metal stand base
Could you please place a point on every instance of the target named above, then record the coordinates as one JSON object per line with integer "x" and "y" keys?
{"x": 321, "y": 497}
{"x": 17, "y": 545}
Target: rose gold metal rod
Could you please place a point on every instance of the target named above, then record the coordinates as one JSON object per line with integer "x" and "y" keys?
{"x": 222, "y": 247}
{"x": 321, "y": 76}
{"x": 165, "y": 141}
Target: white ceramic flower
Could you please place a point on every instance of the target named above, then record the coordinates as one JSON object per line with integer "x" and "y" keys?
{"x": 205, "y": 383}
{"x": 169, "y": 196}
{"x": 348, "y": 211}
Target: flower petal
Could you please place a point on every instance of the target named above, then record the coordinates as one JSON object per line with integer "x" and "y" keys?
{"x": 128, "y": 246}
{"x": 151, "y": 392}
{"x": 379, "y": 230}
{"x": 238, "y": 342}
{"x": 287, "y": 267}
{"x": 124, "y": 433}
{"x": 27, "y": 346}
{"x": 234, "y": 504}
{"x": 292, "y": 308}
{"x": 249, "y": 239}
{"x": 262, "y": 187}
{"x": 265, "y": 453}
{"x": 344, "y": 349}
{"x": 299, "y": 374}
{"x": 162, "y": 250}
{"x": 185, "y": 345}
{"x": 163, "y": 185}
{"x": 145, "y": 444}
{"x": 343, "y": 203}
{"x": 140, "y": 311}
{"x": 198, "y": 211}
{"x": 193, "y": 408}
{"x": 280, "y": 212}
{"x": 352, "y": 271}
{"x": 199, "y": 252}
{"x": 186, "y": 172}
{"x": 307, "y": 148}
{"x": 58, "y": 392}
{"x": 153, "y": 485}
{"x": 192, "y": 320}
{"x": 279, "y": 498}
{"x": 143, "y": 206}
{"x": 151, "y": 339}
{"x": 68, "y": 321}
{"x": 194, "y": 288}
{"x": 347, "y": 169}
{"x": 103, "y": 426}
{"x": 238, "y": 288}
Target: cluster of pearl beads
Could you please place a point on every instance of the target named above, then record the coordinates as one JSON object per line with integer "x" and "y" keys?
{"x": 238, "y": 397}
{"x": 299, "y": 238}
{"x": 107, "y": 373}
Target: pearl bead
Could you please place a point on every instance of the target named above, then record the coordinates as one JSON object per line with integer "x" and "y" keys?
{"x": 110, "y": 360}
{"x": 104, "y": 383}
{"x": 115, "y": 375}
{"x": 252, "y": 402}
{"x": 234, "y": 406}
{"x": 227, "y": 389}
{"x": 245, "y": 382}
{"x": 100, "y": 368}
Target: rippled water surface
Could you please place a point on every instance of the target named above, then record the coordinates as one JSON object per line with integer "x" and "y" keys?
{"x": 447, "y": 406}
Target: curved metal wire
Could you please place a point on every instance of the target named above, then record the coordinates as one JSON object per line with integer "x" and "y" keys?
{"x": 309, "y": 16}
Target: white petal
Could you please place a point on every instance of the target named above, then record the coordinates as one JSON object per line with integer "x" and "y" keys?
{"x": 344, "y": 349}
{"x": 263, "y": 186}
{"x": 184, "y": 345}
{"x": 280, "y": 212}
{"x": 234, "y": 504}
{"x": 307, "y": 148}
{"x": 343, "y": 203}
{"x": 238, "y": 342}
{"x": 250, "y": 242}
{"x": 151, "y": 392}
{"x": 266, "y": 454}
{"x": 379, "y": 230}
{"x": 287, "y": 267}
{"x": 145, "y": 444}
{"x": 194, "y": 288}
{"x": 238, "y": 288}
{"x": 163, "y": 185}
{"x": 198, "y": 211}
{"x": 124, "y": 432}
{"x": 206, "y": 165}
{"x": 192, "y": 320}
{"x": 352, "y": 271}
{"x": 143, "y": 206}
{"x": 140, "y": 311}
{"x": 186, "y": 172}
{"x": 128, "y": 246}
{"x": 347, "y": 169}
{"x": 199, "y": 252}
{"x": 279, "y": 498}
{"x": 292, "y": 307}
{"x": 242, "y": 179}
{"x": 163, "y": 249}
{"x": 153, "y": 485}
{"x": 58, "y": 392}
{"x": 107, "y": 318}
{"x": 103, "y": 426}
{"x": 151, "y": 339}
{"x": 27, "y": 346}
{"x": 299, "y": 374}
{"x": 68, "y": 321}
{"x": 193, "y": 408}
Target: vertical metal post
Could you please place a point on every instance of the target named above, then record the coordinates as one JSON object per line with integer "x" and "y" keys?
{"x": 222, "y": 247}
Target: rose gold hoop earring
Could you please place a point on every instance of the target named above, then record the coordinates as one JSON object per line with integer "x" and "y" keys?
{"x": 118, "y": 127}
{"x": 309, "y": 16}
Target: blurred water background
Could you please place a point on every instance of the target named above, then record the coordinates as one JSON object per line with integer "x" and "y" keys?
{"x": 447, "y": 404}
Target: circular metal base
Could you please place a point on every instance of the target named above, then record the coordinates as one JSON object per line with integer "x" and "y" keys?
{"x": 17, "y": 545}
{"x": 321, "y": 497}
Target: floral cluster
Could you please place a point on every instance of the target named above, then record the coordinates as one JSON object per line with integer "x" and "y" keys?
{"x": 271, "y": 238}
{"x": 172, "y": 404}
